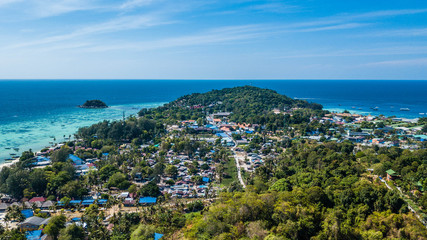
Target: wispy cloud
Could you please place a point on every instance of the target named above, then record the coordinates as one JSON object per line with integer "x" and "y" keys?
{"x": 400, "y": 63}
{"x": 7, "y": 2}
{"x": 411, "y": 32}
{"x": 386, "y": 13}
{"x": 212, "y": 36}
{"x": 115, "y": 25}
{"x": 275, "y": 7}
{"x": 389, "y": 51}
{"x": 135, "y": 3}
{"x": 333, "y": 27}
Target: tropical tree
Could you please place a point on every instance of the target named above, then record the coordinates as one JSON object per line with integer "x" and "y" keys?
{"x": 55, "y": 225}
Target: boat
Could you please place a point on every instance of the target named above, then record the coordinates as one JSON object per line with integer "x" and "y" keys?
{"x": 421, "y": 113}
{"x": 375, "y": 108}
{"x": 12, "y": 154}
{"x": 7, "y": 148}
{"x": 16, "y": 148}
{"x": 405, "y": 109}
{"x": 52, "y": 136}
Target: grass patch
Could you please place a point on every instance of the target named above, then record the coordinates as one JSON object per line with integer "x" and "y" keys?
{"x": 230, "y": 172}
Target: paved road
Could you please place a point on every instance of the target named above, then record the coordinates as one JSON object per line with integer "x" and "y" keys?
{"x": 237, "y": 159}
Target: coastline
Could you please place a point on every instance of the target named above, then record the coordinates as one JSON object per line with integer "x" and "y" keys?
{"x": 44, "y": 145}
{"x": 37, "y": 134}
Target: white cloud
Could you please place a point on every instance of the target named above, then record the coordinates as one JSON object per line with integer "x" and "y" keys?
{"x": 333, "y": 27}
{"x": 212, "y": 36}
{"x": 400, "y": 63}
{"x": 7, "y": 2}
{"x": 115, "y": 25}
{"x": 135, "y": 3}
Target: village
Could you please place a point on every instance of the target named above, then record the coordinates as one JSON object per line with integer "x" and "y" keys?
{"x": 197, "y": 173}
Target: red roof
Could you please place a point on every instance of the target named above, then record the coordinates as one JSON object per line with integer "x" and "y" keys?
{"x": 37, "y": 199}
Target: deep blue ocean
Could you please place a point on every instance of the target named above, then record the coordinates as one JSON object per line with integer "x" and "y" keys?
{"x": 32, "y": 112}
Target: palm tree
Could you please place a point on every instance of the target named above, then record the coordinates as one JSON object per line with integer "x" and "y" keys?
{"x": 14, "y": 213}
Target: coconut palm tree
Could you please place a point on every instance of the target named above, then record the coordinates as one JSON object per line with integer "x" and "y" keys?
{"x": 14, "y": 213}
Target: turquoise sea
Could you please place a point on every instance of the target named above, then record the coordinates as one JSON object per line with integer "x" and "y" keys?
{"x": 34, "y": 111}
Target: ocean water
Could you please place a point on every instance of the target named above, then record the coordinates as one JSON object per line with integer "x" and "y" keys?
{"x": 34, "y": 111}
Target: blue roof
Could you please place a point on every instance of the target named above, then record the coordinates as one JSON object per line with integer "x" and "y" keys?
{"x": 202, "y": 186}
{"x": 205, "y": 179}
{"x": 75, "y": 202}
{"x": 88, "y": 202}
{"x": 223, "y": 135}
{"x": 102, "y": 201}
{"x": 42, "y": 159}
{"x": 157, "y": 236}
{"x": 33, "y": 235}
{"x": 75, "y": 159}
{"x": 27, "y": 213}
{"x": 249, "y": 132}
{"x": 147, "y": 200}
{"x": 105, "y": 154}
{"x": 76, "y": 219}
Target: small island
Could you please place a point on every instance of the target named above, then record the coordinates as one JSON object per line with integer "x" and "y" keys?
{"x": 93, "y": 104}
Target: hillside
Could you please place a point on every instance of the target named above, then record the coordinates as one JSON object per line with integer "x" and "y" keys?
{"x": 246, "y": 104}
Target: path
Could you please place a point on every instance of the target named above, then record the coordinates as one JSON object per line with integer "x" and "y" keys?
{"x": 409, "y": 206}
{"x": 237, "y": 159}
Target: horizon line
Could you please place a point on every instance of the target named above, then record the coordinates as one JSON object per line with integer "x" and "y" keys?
{"x": 205, "y": 79}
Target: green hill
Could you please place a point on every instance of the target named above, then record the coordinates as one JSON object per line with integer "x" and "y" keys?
{"x": 246, "y": 104}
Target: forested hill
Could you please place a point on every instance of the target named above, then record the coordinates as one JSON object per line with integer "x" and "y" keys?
{"x": 247, "y": 104}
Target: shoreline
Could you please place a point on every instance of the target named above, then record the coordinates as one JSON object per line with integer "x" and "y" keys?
{"x": 367, "y": 113}
{"x": 15, "y": 160}
{"x": 37, "y": 133}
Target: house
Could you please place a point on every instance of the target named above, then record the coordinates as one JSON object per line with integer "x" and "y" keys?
{"x": 391, "y": 175}
{"x": 129, "y": 202}
{"x": 102, "y": 201}
{"x": 27, "y": 213}
{"x": 147, "y": 200}
{"x": 3, "y": 207}
{"x": 34, "y": 235}
{"x": 38, "y": 204}
{"x": 33, "y": 223}
{"x": 75, "y": 202}
{"x": 37, "y": 199}
{"x": 76, "y": 160}
{"x": 88, "y": 202}
{"x": 157, "y": 236}
{"x": 27, "y": 205}
{"x": 124, "y": 195}
{"x": 46, "y": 205}
{"x": 242, "y": 142}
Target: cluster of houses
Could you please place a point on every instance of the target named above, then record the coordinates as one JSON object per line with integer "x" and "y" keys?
{"x": 349, "y": 127}
{"x": 82, "y": 166}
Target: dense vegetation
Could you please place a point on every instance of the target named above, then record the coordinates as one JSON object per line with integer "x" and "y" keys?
{"x": 311, "y": 192}
{"x": 94, "y": 104}
{"x": 141, "y": 129}
{"x": 247, "y": 104}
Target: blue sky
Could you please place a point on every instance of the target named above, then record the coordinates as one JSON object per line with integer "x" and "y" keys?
{"x": 209, "y": 39}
